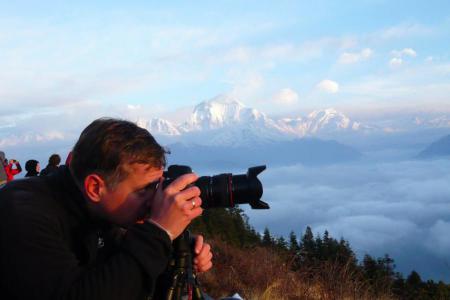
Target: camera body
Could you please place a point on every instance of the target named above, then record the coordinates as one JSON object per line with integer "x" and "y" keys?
{"x": 224, "y": 190}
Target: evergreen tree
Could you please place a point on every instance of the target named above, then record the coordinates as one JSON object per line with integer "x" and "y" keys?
{"x": 327, "y": 245}
{"x": 307, "y": 247}
{"x": 293, "y": 243}
{"x": 281, "y": 245}
{"x": 414, "y": 286}
{"x": 230, "y": 225}
{"x": 318, "y": 249}
{"x": 370, "y": 269}
{"x": 398, "y": 286}
{"x": 267, "y": 239}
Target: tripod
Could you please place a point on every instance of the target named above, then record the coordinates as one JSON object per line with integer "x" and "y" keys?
{"x": 183, "y": 280}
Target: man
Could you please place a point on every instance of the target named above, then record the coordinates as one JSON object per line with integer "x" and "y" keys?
{"x": 53, "y": 164}
{"x": 100, "y": 229}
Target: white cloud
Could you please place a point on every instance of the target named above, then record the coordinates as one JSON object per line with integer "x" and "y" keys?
{"x": 238, "y": 54}
{"x": 286, "y": 96}
{"x": 439, "y": 239}
{"x": 281, "y": 52}
{"x": 414, "y": 86}
{"x": 30, "y": 138}
{"x": 409, "y": 52}
{"x": 394, "y": 62}
{"x": 245, "y": 84}
{"x": 405, "y": 52}
{"x": 400, "y": 208}
{"x": 134, "y": 107}
{"x": 404, "y": 31}
{"x": 328, "y": 86}
{"x": 354, "y": 57}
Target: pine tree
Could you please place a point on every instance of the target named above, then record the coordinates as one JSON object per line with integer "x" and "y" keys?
{"x": 318, "y": 249}
{"x": 370, "y": 269}
{"x": 267, "y": 239}
{"x": 414, "y": 286}
{"x": 307, "y": 247}
{"x": 293, "y": 243}
{"x": 282, "y": 245}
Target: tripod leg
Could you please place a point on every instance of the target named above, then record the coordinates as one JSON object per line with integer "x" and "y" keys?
{"x": 197, "y": 293}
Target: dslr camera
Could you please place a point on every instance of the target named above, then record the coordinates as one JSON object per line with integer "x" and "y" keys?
{"x": 224, "y": 190}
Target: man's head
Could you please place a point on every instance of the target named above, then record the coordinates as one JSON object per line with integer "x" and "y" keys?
{"x": 32, "y": 165}
{"x": 114, "y": 162}
{"x": 54, "y": 160}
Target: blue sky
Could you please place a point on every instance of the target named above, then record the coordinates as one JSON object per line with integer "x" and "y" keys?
{"x": 75, "y": 61}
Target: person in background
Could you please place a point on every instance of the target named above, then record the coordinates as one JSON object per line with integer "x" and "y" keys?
{"x": 68, "y": 158}
{"x": 2, "y": 169}
{"x": 12, "y": 169}
{"x": 32, "y": 167}
{"x": 53, "y": 165}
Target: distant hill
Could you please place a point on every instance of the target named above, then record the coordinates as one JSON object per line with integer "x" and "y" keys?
{"x": 438, "y": 149}
{"x": 306, "y": 151}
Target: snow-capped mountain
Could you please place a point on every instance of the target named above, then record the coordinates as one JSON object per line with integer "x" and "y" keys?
{"x": 159, "y": 126}
{"x": 328, "y": 119}
{"x": 436, "y": 122}
{"x": 225, "y": 120}
{"x": 163, "y": 127}
{"x": 320, "y": 122}
{"x": 224, "y": 111}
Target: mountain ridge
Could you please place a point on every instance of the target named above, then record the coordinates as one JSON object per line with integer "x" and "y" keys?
{"x": 437, "y": 149}
{"x": 225, "y": 120}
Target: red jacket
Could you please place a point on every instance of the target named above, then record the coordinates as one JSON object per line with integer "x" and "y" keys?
{"x": 10, "y": 172}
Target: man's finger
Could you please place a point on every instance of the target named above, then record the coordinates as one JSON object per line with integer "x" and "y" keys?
{"x": 203, "y": 268}
{"x": 205, "y": 252}
{"x": 196, "y": 212}
{"x": 198, "y": 244}
{"x": 182, "y": 182}
{"x": 189, "y": 194}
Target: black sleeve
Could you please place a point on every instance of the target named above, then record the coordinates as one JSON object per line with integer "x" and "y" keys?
{"x": 18, "y": 167}
{"x": 36, "y": 262}
{"x": 43, "y": 172}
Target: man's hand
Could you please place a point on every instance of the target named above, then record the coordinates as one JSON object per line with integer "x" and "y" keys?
{"x": 174, "y": 207}
{"x": 203, "y": 255}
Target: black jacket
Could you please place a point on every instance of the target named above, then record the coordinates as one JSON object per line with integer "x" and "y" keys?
{"x": 48, "y": 170}
{"x": 51, "y": 248}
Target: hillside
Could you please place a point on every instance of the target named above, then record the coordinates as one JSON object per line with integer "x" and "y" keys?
{"x": 311, "y": 267}
{"x": 438, "y": 149}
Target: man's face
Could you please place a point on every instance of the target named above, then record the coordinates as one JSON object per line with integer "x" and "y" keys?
{"x": 129, "y": 201}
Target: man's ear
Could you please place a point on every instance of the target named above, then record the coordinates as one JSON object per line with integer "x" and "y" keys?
{"x": 94, "y": 187}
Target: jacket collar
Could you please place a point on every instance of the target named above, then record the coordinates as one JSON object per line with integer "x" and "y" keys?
{"x": 73, "y": 198}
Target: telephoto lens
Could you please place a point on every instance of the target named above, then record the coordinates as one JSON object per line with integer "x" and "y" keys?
{"x": 225, "y": 190}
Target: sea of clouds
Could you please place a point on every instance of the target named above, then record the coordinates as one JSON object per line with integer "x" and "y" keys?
{"x": 396, "y": 207}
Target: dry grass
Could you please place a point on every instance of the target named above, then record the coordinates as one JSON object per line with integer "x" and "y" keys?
{"x": 261, "y": 274}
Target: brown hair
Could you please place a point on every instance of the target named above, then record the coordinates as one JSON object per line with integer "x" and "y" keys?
{"x": 106, "y": 145}
{"x": 54, "y": 160}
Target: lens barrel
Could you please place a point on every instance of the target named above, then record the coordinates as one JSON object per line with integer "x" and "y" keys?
{"x": 225, "y": 190}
